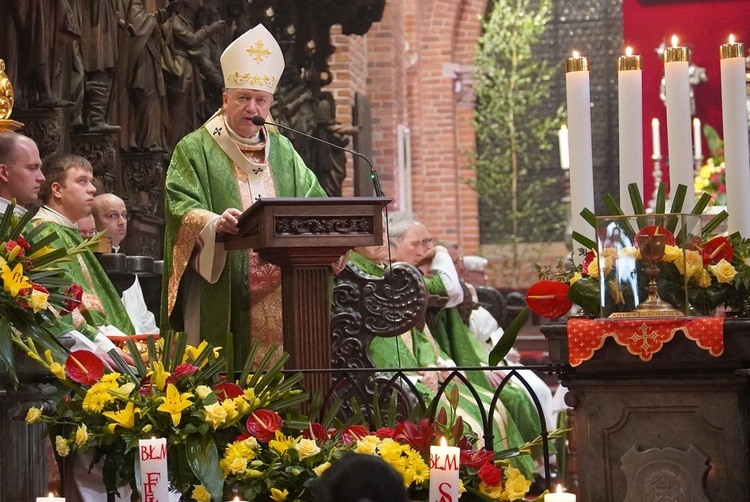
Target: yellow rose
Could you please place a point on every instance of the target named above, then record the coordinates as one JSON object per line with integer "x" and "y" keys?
{"x": 306, "y": 448}
{"x": 202, "y": 391}
{"x": 672, "y": 254}
{"x": 33, "y": 415}
{"x": 200, "y": 494}
{"x": 723, "y": 271}
{"x": 229, "y": 408}
{"x": 38, "y": 300}
{"x": 691, "y": 265}
{"x": 593, "y": 269}
{"x": 321, "y": 469}
{"x": 279, "y": 495}
{"x": 366, "y": 447}
{"x": 62, "y": 447}
{"x": 82, "y": 435}
{"x": 215, "y": 415}
{"x": 705, "y": 279}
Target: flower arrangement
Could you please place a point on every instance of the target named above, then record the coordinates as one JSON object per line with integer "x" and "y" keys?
{"x": 710, "y": 270}
{"x": 34, "y": 290}
{"x": 711, "y": 177}
{"x": 228, "y": 439}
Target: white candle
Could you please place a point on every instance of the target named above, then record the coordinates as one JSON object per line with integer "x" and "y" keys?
{"x": 579, "y": 134}
{"x": 444, "y": 462}
{"x": 153, "y": 462}
{"x": 697, "y": 143}
{"x": 562, "y": 137}
{"x": 559, "y": 496}
{"x": 50, "y": 498}
{"x": 655, "y": 139}
{"x": 630, "y": 112}
{"x": 736, "y": 156}
{"x": 678, "y": 120}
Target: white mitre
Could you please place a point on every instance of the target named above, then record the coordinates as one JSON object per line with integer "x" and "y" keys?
{"x": 253, "y": 61}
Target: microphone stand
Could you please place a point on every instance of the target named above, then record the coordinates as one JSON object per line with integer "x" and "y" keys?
{"x": 259, "y": 121}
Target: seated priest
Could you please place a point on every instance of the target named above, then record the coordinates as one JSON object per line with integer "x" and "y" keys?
{"x": 417, "y": 349}
{"x": 412, "y": 242}
{"x": 67, "y": 194}
{"x": 21, "y": 175}
{"x": 216, "y": 173}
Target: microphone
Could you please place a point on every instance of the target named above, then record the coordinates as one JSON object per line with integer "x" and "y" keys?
{"x": 259, "y": 121}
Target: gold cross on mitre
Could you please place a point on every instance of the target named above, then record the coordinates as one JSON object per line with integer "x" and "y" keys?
{"x": 259, "y": 51}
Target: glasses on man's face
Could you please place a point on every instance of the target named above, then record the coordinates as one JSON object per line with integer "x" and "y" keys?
{"x": 113, "y": 216}
{"x": 88, "y": 235}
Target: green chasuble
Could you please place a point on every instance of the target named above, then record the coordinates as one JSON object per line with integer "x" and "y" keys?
{"x": 100, "y": 305}
{"x": 203, "y": 181}
{"x": 417, "y": 349}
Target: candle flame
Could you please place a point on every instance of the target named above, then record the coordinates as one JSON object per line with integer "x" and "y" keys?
{"x": 731, "y": 38}
{"x": 628, "y": 51}
{"x": 559, "y": 488}
{"x": 674, "y": 40}
{"x": 51, "y": 495}
{"x": 443, "y": 442}
{"x": 576, "y": 55}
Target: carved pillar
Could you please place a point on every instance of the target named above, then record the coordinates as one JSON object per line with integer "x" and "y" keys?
{"x": 141, "y": 186}
{"x": 101, "y": 150}
{"x": 41, "y": 125}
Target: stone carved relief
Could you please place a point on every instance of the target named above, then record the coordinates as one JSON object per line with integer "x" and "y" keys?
{"x": 41, "y": 125}
{"x": 101, "y": 150}
{"x": 665, "y": 475}
{"x": 143, "y": 181}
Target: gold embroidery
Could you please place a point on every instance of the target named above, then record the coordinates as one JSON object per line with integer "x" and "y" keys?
{"x": 90, "y": 300}
{"x": 259, "y": 51}
{"x": 255, "y": 79}
{"x": 190, "y": 227}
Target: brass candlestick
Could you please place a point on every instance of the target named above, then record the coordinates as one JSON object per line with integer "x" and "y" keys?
{"x": 652, "y": 250}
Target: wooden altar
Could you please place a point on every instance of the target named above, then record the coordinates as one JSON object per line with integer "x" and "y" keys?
{"x": 676, "y": 426}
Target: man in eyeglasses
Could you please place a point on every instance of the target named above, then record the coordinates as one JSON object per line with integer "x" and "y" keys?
{"x": 112, "y": 217}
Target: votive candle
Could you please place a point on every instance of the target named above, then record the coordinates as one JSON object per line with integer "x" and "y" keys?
{"x": 656, "y": 138}
{"x": 578, "y": 94}
{"x": 676, "y": 78}
{"x": 444, "y": 463}
{"x": 559, "y": 496}
{"x": 50, "y": 498}
{"x": 630, "y": 113}
{"x": 736, "y": 156}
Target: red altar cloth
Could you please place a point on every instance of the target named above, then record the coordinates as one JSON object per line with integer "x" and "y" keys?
{"x": 642, "y": 337}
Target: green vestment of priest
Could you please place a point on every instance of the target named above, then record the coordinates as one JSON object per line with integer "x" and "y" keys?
{"x": 207, "y": 291}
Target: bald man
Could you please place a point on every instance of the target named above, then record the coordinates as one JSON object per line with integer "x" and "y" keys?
{"x": 111, "y": 217}
{"x": 21, "y": 175}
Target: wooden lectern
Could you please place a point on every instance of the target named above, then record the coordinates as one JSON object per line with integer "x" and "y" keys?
{"x": 305, "y": 236}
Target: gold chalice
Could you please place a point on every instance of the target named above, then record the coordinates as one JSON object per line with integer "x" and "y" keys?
{"x": 652, "y": 250}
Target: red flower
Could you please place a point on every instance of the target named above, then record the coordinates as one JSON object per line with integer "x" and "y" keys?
{"x": 227, "y": 390}
{"x": 549, "y": 299}
{"x": 242, "y": 437}
{"x": 654, "y": 230}
{"x": 263, "y": 424}
{"x": 75, "y": 292}
{"x": 84, "y": 367}
{"x": 476, "y": 458}
{"x": 181, "y": 371}
{"x": 316, "y": 431}
{"x": 145, "y": 385}
{"x": 11, "y": 245}
{"x": 419, "y": 437}
{"x": 353, "y": 433}
{"x": 384, "y": 432}
{"x": 717, "y": 249}
{"x": 490, "y": 474}
{"x": 22, "y": 242}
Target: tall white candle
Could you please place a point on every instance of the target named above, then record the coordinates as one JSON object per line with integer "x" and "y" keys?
{"x": 655, "y": 138}
{"x": 152, "y": 455}
{"x": 559, "y": 496}
{"x": 579, "y": 134}
{"x": 562, "y": 137}
{"x": 697, "y": 143}
{"x": 736, "y": 156}
{"x": 678, "y": 120}
{"x": 444, "y": 462}
{"x": 630, "y": 112}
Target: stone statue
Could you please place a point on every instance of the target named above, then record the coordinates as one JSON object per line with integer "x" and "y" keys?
{"x": 32, "y": 42}
{"x": 329, "y": 163}
{"x": 184, "y": 66}
{"x": 141, "y": 91}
